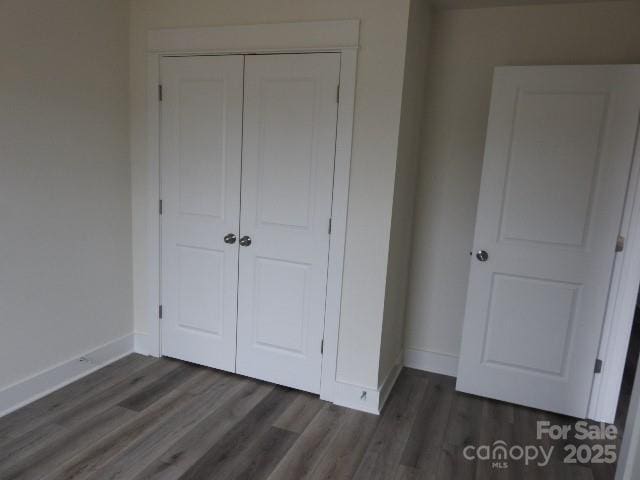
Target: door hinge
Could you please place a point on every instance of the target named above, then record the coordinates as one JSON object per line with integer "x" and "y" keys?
{"x": 598, "y": 366}
{"x": 338, "y": 94}
{"x": 159, "y": 93}
{"x": 322, "y": 346}
{"x": 329, "y": 230}
{"x": 160, "y": 207}
{"x": 160, "y": 311}
{"x": 620, "y": 244}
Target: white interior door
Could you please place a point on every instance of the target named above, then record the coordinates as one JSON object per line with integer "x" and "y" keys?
{"x": 201, "y": 146}
{"x": 287, "y": 176}
{"x": 558, "y": 152}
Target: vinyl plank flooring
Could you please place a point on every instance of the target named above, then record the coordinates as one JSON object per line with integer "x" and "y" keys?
{"x": 429, "y": 428}
{"x": 145, "y": 418}
{"x": 497, "y": 426}
{"x": 303, "y": 457}
{"x": 260, "y": 459}
{"x": 501, "y": 412}
{"x": 451, "y": 464}
{"x": 185, "y": 452}
{"x": 219, "y": 461}
{"x": 342, "y": 457}
{"x": 145, "y": 449}
{"x": 137, "y": 382}
{"x": 142, "y": 399}
{"x": 39, "y": 412}
{"x": 82, "y": 415}
{"x": 465, "y": 420}
{"x": 26, "y": 445}
{"x": 603, "y": 471}
{"x": 300, "y": 413}
{"x": 387, "y": 445}
{"x": 176, "y": 402}
{"x": 463, "y": 429}
{"x": 525, "y": 432}
{"x": 44, "y": 459}
{"x": 409, "y": 473}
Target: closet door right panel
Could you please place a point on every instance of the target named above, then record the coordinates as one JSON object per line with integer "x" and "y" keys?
{"x": 288, "y": 154}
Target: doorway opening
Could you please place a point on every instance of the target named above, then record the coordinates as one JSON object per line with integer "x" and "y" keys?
{"x": 630, "y": 369}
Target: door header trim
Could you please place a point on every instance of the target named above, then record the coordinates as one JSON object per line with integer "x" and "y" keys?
{"x": 306, "y": 36}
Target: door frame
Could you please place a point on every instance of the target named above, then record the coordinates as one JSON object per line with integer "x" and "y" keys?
{"x": 621, "y": 304}
{"x": 300, "y": 37}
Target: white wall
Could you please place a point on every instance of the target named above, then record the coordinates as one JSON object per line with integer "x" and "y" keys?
{"x": 466, "y": 45}
{"x": 375, "y": 146}
{"x": 65, "y": 239}
{"x": 409, "y": 149}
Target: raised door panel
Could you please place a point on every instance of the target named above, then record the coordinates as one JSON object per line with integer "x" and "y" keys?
{"x": 281, "y": 302}
{"x": 284, "y": 181}
{"x": 530, "y": 324}
{"x": 552, "y": 167}
{"x": 201, "y": 296}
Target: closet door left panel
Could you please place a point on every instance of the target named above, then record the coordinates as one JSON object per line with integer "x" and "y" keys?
{"x": 201, "y": 145}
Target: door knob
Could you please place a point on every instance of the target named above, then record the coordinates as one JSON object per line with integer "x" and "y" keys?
{"x": 482, "y": 255}
{"x": 230, "y": 238}
{"x": 245, "y": 241}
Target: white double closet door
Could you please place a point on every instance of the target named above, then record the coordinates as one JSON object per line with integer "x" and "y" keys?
{"x": 247, "y": 158}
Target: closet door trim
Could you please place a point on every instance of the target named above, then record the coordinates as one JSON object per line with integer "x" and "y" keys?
{"x": 301, "y": 37}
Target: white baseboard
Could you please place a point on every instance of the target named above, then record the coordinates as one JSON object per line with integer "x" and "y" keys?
{"x": 32, "y": 388}
{"x": 387, "y": 384}
{"x": 356, "y": 397}
{"x": 141, "y": 343}
{"x": 435, "y": 362}
{"x": 347, "y": 395}
{"x": 367, "y": 399}
{"x": 144, "y": 344}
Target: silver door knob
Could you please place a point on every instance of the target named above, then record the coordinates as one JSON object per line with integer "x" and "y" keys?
{"x": 230, "y": 238}
{"x": 245, "y": 241}
{"x": 482, "y": 255}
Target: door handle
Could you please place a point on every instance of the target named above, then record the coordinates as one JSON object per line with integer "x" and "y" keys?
{"x": 482, "y": 255}
{"x": 245, "y": 241}
{"x": 230, "y": 238}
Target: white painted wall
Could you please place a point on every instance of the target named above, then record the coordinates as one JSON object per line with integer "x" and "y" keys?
{"x": 65, "y": 240}
{"x": 465, "y": 46}
{"x": 375, "y": 147}
{"x": 409, "y": 149}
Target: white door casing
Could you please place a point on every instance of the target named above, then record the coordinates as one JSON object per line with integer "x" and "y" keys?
{"x": 201, "y": 146}
{"x": 558, "y": 152}
{"x": 289, "y": 143}
{"x": 342, "y": 37}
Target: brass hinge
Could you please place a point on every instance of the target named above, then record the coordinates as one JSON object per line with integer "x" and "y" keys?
{"x": 160, "y": 207}
{"x": 160, "y": 311}
{"x": 159, "y": 93}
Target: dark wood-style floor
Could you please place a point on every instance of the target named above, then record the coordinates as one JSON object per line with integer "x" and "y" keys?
{"x": 158, "y": 418}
